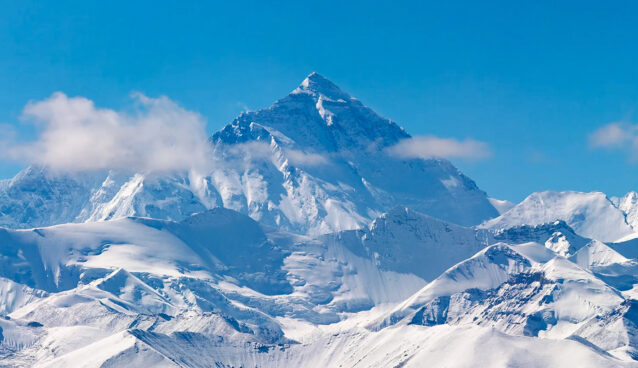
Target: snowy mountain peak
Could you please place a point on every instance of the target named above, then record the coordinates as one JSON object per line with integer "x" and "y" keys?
{"x": 316, "y": 84}
{"x": 597, "y": 253}
{"x": 317, "y": 115}
{"x": 315, "y": 161}
{"x": 591, "y": 215}
{"x": 328, "y": 155}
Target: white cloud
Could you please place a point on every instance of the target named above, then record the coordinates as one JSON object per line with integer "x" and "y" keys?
{"x": 613, "y": 135}
{"x": 300, "y": 158}
{"x": 426, "y": 147}
{"x": 252, "y": 150}
{"x": 260, "y": 150}
{"x": 619, "y": 135}
{"x": 75, "y": 135}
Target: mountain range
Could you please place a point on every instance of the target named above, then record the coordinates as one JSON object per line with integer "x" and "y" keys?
{"x": 309, "y": 243}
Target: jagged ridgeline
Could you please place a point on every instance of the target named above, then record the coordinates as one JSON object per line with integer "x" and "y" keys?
{"x": 314, "y": 162}
{"x": 308, "y": 244}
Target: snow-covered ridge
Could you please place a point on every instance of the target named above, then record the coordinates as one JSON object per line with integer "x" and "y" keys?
{"x": 629, "y": 205}
{"x": 314, "y": 162}
{"x": 307, "y": 245}
{"x": 592, "y": 215}
{"x": 220, "y": 289}
{"x": 501, "y": 205}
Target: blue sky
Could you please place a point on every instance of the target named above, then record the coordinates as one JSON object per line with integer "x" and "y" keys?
{"x": 533, "y": 80}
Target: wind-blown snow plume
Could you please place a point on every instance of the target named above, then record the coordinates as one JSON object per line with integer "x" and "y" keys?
{"x": 431, "y": 147}
{"x": 76, "y": 135}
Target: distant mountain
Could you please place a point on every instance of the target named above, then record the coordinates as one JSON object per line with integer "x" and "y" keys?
{"x": 219, "y": 289}
{"x": 501, "y": 205}
{"x": 525, "y": 290}
{"x": 314, "y": 162}
{"x": 592, "y": 215}
{"x": 38, "y": 196}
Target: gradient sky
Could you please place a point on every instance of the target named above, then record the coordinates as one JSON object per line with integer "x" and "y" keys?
{"x": 531, "y": 79}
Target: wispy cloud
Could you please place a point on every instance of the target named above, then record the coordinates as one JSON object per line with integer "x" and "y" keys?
{"x": 301, "y": 158}
{"x": 426, "y": 147}
{"x": 618, "y": 136}
{"x": 536, "y": 157}
{"x": 260, "y": 150}
{"x": 76, "y": 135}
{"x": 243, "y": 106}
{"x": 248, "y": 151}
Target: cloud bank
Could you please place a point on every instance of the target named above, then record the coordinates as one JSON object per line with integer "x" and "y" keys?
{"x": 426, "y": 147}
{"x": 619, "y": 136}
{"x": 76, "y": 135}
{"x": 159, "y": 135}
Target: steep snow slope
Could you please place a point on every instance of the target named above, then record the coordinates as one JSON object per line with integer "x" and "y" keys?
{"x": 597, "y": 254}
{"x": 225, "y": 252}
{"x": 218, "y": 290}
{"x": 557, "y": 236}
{"x": 314, "y": 162}
{"x": 525, "y": 290}
{"x": 14, "y": 295}
{"x": 202, "y": 246}
{"x": 327, "y": 160}
{"x": 165, "y": 196}
{"x": 406, "y": 241}
{"x": 38, "y": 197}
{"x": 408, "y": 346}
{"x": 591, "y": 215}
{"x": 444, "y": 346}
{"x": 629, "y": 205}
